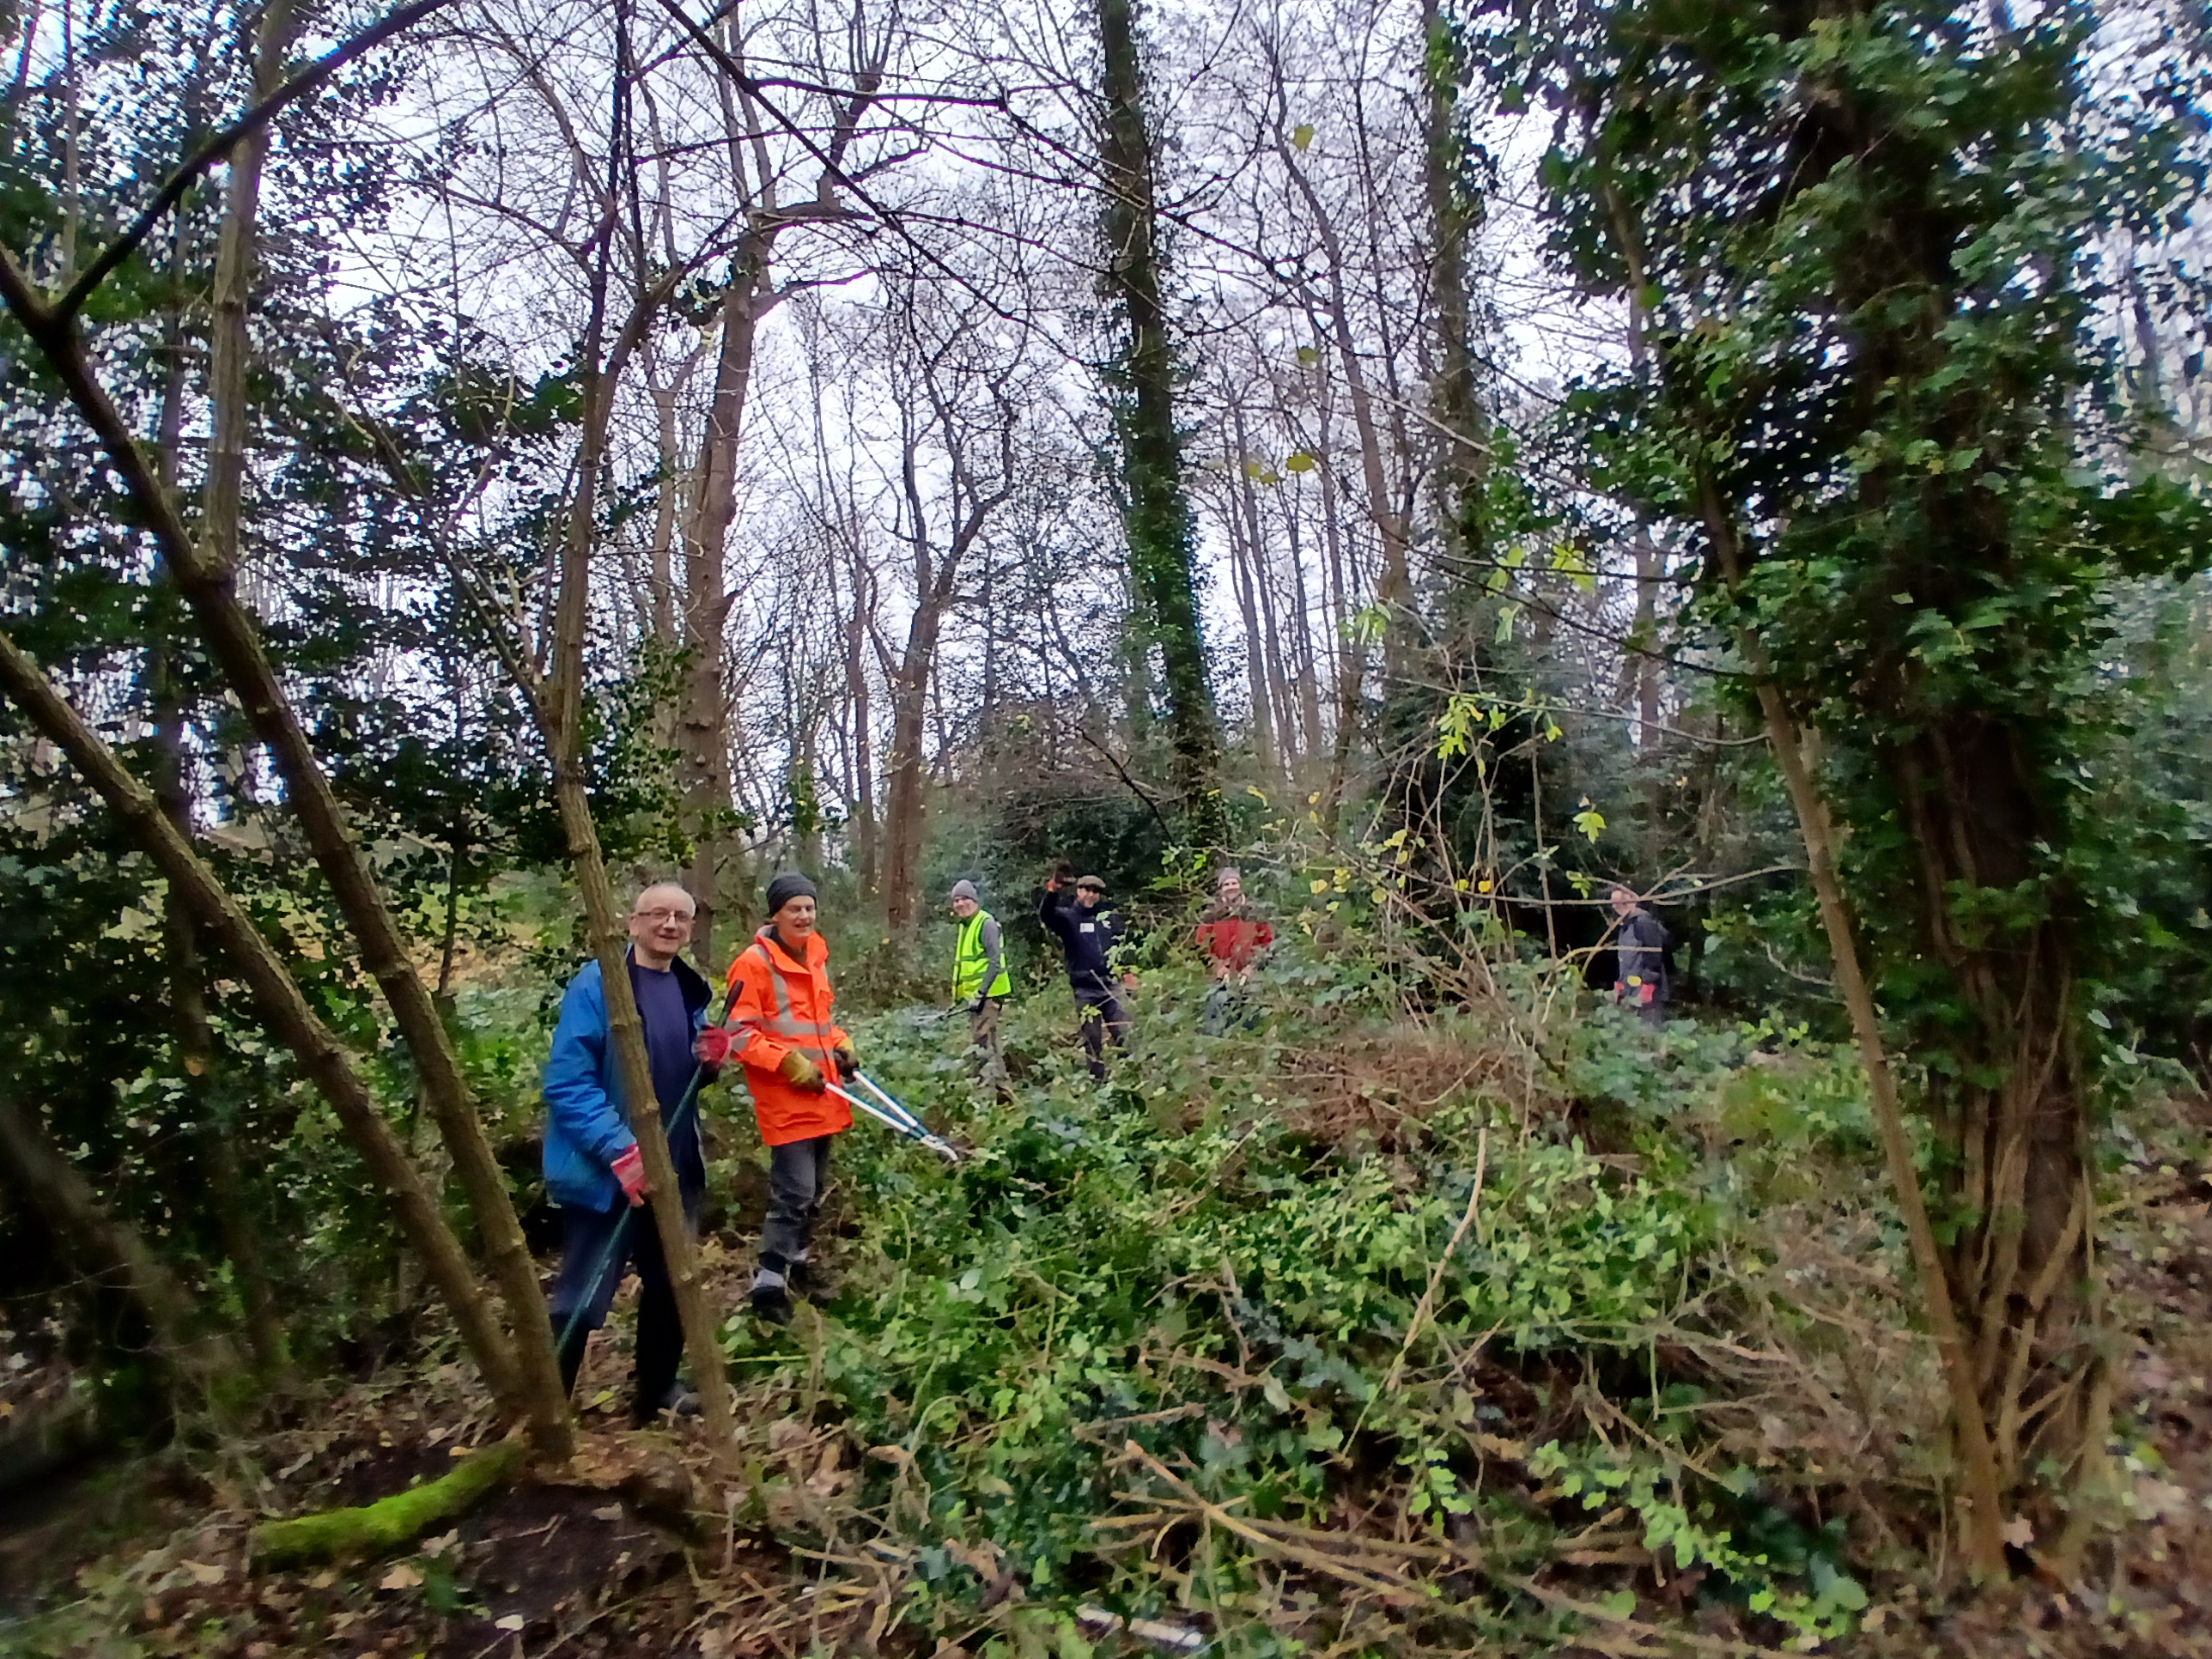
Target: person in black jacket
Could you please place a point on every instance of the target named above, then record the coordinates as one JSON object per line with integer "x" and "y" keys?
{"x": 1640, "y": 942}
{"x": 1088, "y": 933}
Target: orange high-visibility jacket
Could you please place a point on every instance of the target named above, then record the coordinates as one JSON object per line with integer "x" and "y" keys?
{"x": 777, "y": 1005}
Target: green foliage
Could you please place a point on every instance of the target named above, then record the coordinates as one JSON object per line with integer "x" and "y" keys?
{"x": 1167, "y": 1261}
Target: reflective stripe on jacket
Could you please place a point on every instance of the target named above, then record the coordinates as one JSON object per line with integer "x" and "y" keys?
{"x": 972, "y": 962}
{"x": 778, "y": 1005}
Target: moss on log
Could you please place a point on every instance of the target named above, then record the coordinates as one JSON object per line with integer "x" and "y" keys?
{"x": 385, "y": 1525}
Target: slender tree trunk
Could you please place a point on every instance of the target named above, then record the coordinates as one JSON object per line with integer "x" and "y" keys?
{"x": 220, "y": 920}
{"x": 560, "y": 706}
{"x": 1155, "y": 507}
{"x": 864, "y": 839}
{"x": 703, "y": 717}
{"x": 1455, "y": 398}
{"x": 906, "y": 776}
{"x": 1256, "y": 645}
{"x": 206, "y": 583}
{"x": 111, "y": 1248}
{"x": 1395, "y": 587}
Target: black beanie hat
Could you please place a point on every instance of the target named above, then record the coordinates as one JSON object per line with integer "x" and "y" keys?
{"x": 786, "y": 887}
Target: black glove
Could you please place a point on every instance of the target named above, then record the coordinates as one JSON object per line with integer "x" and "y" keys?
{"x": 848, "y": 1063}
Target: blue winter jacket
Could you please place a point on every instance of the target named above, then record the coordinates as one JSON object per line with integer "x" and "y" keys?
{"x": 587, "y": 1124}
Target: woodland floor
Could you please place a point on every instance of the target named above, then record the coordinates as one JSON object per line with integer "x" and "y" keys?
{"x": 121, "y": 1556}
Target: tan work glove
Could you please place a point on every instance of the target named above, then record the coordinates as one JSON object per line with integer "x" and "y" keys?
{"x": 800, "y": 1073}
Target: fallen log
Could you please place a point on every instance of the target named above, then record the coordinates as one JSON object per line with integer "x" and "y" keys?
{"x": 380, "y": 1527}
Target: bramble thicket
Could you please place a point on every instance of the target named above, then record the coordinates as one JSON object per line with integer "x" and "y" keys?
{"x": 1665, "y": 545}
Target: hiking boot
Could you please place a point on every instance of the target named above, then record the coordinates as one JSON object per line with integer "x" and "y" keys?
{"x": 678, "y": 1402}
{"x": 803, "y": 1281}
{"x": 771, "y": 1296}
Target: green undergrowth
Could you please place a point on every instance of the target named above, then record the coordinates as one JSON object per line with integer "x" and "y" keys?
{"x": 1177, "y": 1290}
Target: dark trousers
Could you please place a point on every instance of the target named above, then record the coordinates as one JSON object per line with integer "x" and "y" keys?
{"x": 798, "y": 1176}
{"x": 585, "y": 1237}
{"x": 1099, "y": 1015}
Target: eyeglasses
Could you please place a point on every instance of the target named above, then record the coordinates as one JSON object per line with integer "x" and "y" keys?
{"x": 656, "y": 917}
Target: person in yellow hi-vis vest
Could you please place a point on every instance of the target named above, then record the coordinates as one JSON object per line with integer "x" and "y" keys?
{"x": 979, "y": 980}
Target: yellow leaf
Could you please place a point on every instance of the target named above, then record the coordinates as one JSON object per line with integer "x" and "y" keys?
{"x": 1378, "y": 896}
{"x": 1300, "y": 462}
{"x": 1321, "y": 884}
{"x": 1303, "y": 134}
{"x": 1485, "y": 885}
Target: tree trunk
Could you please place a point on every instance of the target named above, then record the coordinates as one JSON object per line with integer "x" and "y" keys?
{"x": 864, "y": 839}
{"x": 220, "y": 919}
{"x": 559, "y": 704}
{"x": 1155, "y": 508}
{"x": 2015, "y": 1108}
{"x": 703, "y": 716}
{"x": 110, "y": 1248}
{"x": 905, "y": 776}
{"x": 1242, "y": 582}
{"x": 1462, "y": 450}
{"x": 1985, "y": 1482}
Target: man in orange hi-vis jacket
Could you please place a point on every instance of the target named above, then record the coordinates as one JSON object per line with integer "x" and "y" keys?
{"x": 780, "y": 1029}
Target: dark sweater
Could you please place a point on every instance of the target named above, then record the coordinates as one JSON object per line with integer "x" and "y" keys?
{"x": 1088, "y": 937}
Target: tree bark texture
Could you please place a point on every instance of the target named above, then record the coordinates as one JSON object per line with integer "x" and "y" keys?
{"x": 1462, "y": 452}
{"x": 703, "y": 714}
{"x": 1987, "y": 1481}
{"x": 1155, "y": 506}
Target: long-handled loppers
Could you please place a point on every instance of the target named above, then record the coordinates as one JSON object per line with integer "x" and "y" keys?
{"x": 886, "y": 1110}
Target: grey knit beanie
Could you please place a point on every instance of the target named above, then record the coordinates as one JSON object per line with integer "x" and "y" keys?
{"x": 966, "y": 890}
{"x": 786, "y": 887}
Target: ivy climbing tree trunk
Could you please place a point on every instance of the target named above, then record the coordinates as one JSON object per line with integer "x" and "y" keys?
{"x": 1856, "y": 247}
{"x": 1155, "y": 511}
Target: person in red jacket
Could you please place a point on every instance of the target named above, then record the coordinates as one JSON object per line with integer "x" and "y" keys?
{"x": 782, "y": 1029}
{"x": 1232, "y": 939}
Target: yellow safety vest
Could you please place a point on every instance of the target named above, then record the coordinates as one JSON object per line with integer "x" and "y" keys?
{"x": 968, "y": 963}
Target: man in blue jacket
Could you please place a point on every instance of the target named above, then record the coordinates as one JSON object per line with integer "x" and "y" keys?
{"x": 593, "y": 1169}
{"x": 1088, "y": 933}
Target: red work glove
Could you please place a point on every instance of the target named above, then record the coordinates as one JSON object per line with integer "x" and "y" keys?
{"x": 629, "y": 1169}
{"x": 712, "y": 1046}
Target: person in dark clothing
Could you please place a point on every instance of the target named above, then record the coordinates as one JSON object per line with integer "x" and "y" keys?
{"x": 1640, "y": 942}
{"x": 593, "y": 1169}
{"x": 1089, "y": 934}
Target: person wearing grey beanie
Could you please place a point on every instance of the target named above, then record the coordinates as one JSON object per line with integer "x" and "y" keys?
{"x": 786, "y": 887}
{"x": 979, "y": 980}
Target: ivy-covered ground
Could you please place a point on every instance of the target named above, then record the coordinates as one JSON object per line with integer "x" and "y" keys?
{"x": 1356, "y": 1330}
